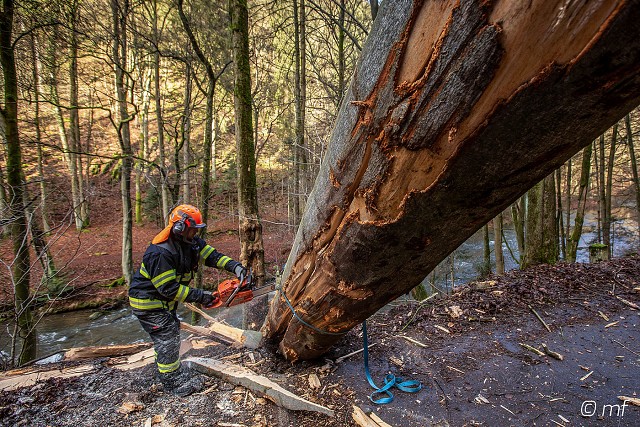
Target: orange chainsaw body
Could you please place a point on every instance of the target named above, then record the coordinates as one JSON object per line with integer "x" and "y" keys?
{"x": 226, "y": 289}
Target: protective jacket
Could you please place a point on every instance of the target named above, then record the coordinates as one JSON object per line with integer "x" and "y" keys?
{"x": 166, "y": 270}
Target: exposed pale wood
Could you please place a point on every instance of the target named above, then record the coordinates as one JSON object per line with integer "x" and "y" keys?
{"x": 362, "y": 419}
{"x": 246, "y": 338}
{"x": 147, "y": 357}
{"x": 379, "y": 420}
{"x": 341, "y": 358}
{"x": 540, "y": 319}
{"x": 532, "y": 349}
{"x": 629, "y": 303}
{"x": 12, "y": 382}
{"x": 79, "y": 353}
{"x": 633, "y": 400}
{"x": 245, "y": 377}
{"x": 551, "y": 353}
{"x": 456, "y": 108}
{"x": 416, "y": 342}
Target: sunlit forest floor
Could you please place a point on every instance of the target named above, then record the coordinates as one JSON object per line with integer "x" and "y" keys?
{"x": 470, "y": 361}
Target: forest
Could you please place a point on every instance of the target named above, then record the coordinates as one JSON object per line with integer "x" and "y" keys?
{"x": 422, "y": 158}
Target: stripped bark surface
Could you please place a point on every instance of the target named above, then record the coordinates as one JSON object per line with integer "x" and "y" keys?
{"x": 455, "y": 110}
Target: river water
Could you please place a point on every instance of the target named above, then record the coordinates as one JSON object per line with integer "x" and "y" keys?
{"x": 77, "y": 329}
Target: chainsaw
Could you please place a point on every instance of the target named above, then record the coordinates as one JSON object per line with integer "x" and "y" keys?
{"x": 239, "y": 291}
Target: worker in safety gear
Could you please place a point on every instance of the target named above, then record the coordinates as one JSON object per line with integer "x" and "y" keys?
{"x": 162, "y": 281}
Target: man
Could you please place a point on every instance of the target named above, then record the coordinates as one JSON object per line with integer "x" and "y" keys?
{"x": 162, "y": 281}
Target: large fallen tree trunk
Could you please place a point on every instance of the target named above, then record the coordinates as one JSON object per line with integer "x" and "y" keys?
{"x": 455, "y": 110}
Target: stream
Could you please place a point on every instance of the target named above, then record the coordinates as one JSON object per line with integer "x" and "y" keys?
{"x": 81, "y": 328}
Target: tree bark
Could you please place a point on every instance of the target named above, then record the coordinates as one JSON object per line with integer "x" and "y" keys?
{"x": 252, "y": 249}
{"x": 425, "y": 150}
{"x": 497, "y": 244}
{"x": 519, "y": 218}
{"x": 164, "y": 188}
{"x": 15, "y": 181}
{"x": 585, "y": 173}
{"x": 606, "y": 223}
{"x": 541, "y": 235}
{"x": 119, "y": 51}
{"x": 634, "y": 166}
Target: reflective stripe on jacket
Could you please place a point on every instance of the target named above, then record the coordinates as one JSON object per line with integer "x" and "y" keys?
{"x": 166, "y": 270}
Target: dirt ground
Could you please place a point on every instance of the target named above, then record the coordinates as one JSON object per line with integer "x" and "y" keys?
{"x": 471, "y": 364}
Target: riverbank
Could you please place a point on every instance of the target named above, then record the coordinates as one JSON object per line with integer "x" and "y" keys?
{"x": 465, "y": 348}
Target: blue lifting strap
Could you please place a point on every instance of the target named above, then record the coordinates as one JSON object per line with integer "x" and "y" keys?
{"x": 390, "y": 381}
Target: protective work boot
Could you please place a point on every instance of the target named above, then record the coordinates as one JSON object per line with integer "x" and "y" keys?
{"x": 182, "y": 382}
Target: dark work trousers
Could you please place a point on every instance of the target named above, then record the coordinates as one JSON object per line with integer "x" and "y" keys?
{"x": 164, "y": 328}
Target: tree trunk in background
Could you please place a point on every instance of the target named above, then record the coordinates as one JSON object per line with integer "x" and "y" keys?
{"x": 497, "y": 244}
{"x": 541, "y": 245}
{"x": 560, "y": 214}
{"x": 341, "y": 59}
{"x": 74, "y": 119}
{"x": 164, "y": 189}
{"x": 37, "y": 82}
{"x": 634, "y": 165}
{"x": 143, "y": 149}
{"x": 120, "y": 12}
{"x": 585, "y": 173}
{"x": 186, "y": 137}
{"x": 567, "y": 230}
{"x": 15, "y": 182}
{"x": 519, "y": 217}
{"x": 486, "y": 260}
{"x": 68, "y": 149}
{"x": 602, "y": 195}
{"x": 300, "y": 105}
{"x": 608, "y": 218}
{"x": 252, "y": 249}
{"x": 425, "y": 151}
{"x": 374, "y": 9}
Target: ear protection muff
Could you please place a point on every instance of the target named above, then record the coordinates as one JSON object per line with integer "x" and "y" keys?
{"x": 182, "y": 224}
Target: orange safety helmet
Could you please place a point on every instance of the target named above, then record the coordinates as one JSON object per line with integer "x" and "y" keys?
{"x": 182, "y": 218}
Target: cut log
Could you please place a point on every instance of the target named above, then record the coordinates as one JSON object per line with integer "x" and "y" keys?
{"x": 147, "y": 357}
{"x": 79, "y": 353}
{"x": 240, "y": 375}
{"x": 9, "y": 381}
{"x": 454, "y": 111}
{"x": 244, "y": 337}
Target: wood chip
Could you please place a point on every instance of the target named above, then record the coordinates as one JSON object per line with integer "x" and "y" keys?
{"x": 629, "y": 303}
{"x": 611, "y": 324}
{"x": 455, "y": 369}
{"x": 553, "y": 354}
{"x": 531, "y": 349}
{"x": 396, "y": 361}
{"x": 604, "y": 316}
{"x": 455, "y": 311}
{"x": 586, "y": 376}
{"x": 442, "y": 328}
{"x": 341, "y": 358}
{"x": 481, "y": 399}
{"x": 633, "y": 400}
{"x": 503, "y": 407}
{"x": 416, "y": 342}
{"x": 314, "y": 381}
{"x": 129, "y": 407}
{"x": 563, "y": 418}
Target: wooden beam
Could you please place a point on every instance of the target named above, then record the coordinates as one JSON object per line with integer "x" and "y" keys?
{"x": 245, "y": 377}
{"x": 80, "y": 353}
{"x": 246, "y": 338}
{"x": 10, "y": 382}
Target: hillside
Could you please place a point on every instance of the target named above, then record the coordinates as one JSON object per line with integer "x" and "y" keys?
{"x": 473, "y": 370}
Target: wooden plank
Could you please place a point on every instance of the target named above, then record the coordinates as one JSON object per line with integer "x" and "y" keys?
{"x": 245, "y": 377}
{"x": 79, "y": 353}
{"x": 246, "y": 338}
{"x": 379, "y": 420}
{"x": 362, "y": 419}
{"x": 12, "y": 382}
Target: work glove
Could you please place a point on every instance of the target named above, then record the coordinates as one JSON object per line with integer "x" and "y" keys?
{"x": 209, "y": 299}
{"x": 240, "y": 271}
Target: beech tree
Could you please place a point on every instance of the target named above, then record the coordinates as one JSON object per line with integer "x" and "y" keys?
{"x": 455, "y": 110}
